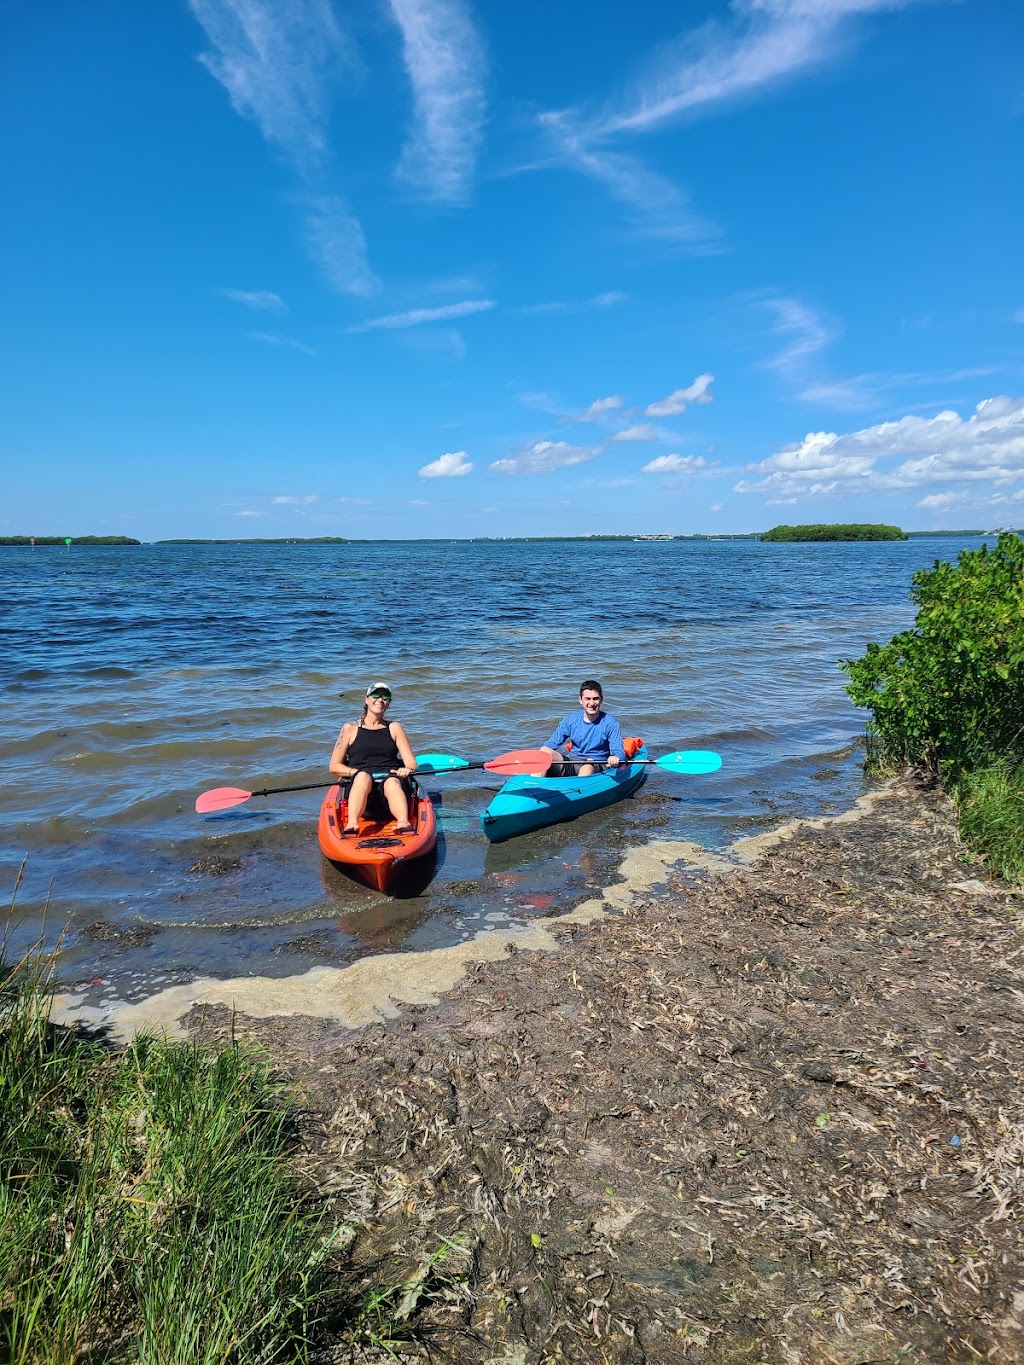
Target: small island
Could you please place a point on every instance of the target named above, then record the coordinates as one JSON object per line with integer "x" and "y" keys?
{"x": 836, "y": 531}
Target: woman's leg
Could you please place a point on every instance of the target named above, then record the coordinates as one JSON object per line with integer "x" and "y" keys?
{"x": 398, "y": 802}
{"x": 358, "y": 795}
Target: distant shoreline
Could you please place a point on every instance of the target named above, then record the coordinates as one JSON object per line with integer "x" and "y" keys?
{"x": 55, "y": 542}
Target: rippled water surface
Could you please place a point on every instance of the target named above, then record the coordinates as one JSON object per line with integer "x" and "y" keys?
{"x": 133, "y": 678}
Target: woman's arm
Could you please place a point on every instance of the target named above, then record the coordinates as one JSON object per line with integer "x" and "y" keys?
{"x": 338, "y": 766}
{"x": 405, "y": 749}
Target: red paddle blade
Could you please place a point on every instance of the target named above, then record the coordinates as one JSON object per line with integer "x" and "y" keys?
{"x": 527, "y": 762}
{"x": 221, "y": 798}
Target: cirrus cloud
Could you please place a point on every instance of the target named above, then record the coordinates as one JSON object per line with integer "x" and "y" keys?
{"x": 415, "y": 317}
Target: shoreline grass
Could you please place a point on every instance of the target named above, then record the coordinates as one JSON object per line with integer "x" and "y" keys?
{"x": 149, "y": 1209}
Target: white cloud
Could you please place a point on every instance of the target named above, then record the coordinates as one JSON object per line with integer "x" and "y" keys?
{"x": 418, "y": 502}
{"x": 937, "y": 501}
{"x": 645, "y": 432}
{"x": 986, "y": 447}
{"x": 247, "y": 513}
{"x": 675, "y": 464}
{"x": 542, "y": 457}
{"x": 336, "y": 242}
{"x": 598, "y": 408}
{"x": 676, "y": 402}
{"x": 449, "y": 466}
{"x": 279, "y": 62}
{"x": 445, "y": 61}
{"x": 716, "y": 506}
{"x": 272, "y": 339}
{"x": 417, "y": 316}
{"x": 305, "y": 498}
{"x": 610, "y": 300}
{"x": 263, "y": 300}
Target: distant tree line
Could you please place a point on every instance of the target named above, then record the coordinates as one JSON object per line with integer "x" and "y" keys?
{"x": 836, "y": 531}
{"x": 75, "y": 540}
{"x": 261, "y": 540}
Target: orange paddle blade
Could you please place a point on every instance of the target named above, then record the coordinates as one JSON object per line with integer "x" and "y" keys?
{"x": 525, "y": 762}
{"x": 221, "y": 798}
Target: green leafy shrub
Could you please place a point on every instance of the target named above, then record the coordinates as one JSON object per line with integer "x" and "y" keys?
{"x": 856, "y": 530}
{"x": 950, "y": 692}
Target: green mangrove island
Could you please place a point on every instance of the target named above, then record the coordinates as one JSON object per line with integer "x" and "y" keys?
{"x": 836, "y": 531}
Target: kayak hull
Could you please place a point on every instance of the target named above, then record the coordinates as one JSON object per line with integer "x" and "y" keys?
{"x": 528, "y": 803}
{"x": 377, "y": 854}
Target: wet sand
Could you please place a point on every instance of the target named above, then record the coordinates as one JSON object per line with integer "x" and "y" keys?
{"x": 765, "y": 1108}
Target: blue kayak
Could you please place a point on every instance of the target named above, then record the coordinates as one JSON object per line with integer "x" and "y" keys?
{"x": 526, "y": 803}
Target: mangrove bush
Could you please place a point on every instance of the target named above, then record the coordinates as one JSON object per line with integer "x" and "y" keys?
{"x": 855, "y": 530}
{"x": 948, "y": 694}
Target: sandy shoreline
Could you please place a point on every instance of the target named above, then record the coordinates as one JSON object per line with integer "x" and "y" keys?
{"x": 770, "y": 1112}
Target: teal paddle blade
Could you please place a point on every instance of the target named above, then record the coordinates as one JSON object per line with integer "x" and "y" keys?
{"x": 691, "y": 761}
{"x": 440, "y": 763}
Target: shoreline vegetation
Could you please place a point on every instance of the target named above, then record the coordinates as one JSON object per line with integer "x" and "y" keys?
{"x": 947, "y": 696}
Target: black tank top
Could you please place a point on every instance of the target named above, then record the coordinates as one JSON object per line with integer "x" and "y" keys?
{"x": 373, "y": 750}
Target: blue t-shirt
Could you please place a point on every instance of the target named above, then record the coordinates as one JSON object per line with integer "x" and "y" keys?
{"x": 589, "y": 741}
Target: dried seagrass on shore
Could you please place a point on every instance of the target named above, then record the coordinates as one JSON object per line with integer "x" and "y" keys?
{"x": 773, "y": 1114}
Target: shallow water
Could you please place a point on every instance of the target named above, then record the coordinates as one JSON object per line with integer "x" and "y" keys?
{"x": 133, "y": 678}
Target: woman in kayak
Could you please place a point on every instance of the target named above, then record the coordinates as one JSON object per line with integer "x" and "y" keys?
{"x": 373, "y": 757}
{"x": 593, "y": 736}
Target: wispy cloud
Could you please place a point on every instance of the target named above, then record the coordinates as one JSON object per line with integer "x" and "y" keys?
{"x": 611, "y": 299}
{"x": 763, "y": 43}
{"x": 675, "y": 464}
{"x": 335, "y": 241}
{"x": 302, "y": 500}
{"x": 272, "y": 339}
{"x": 543, "y": 457}
{"x": 453, "y": 465}
{"x": 658, "y": 208}
{"x": 644, "y": 432}
{"x": 677, "y": 402}
{"x": 262, "y": 300}
{"x": 866, "y": 391}
{"x": 417, "y": 316}
{"x": 278, "y": 60}
{"x": 803, "y": 333}
{"x": 445, "y": 61}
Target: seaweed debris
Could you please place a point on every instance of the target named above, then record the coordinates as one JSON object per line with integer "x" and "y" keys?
{"x": 769, "y": 1115}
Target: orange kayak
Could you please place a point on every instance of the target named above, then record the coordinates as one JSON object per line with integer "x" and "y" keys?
{"x": 377, "y": 853}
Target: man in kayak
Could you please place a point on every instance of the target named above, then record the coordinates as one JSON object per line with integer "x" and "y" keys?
{"x": 593, "y": 736}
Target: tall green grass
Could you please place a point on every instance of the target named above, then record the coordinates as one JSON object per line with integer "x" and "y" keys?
{"x": 147, "y": 1206}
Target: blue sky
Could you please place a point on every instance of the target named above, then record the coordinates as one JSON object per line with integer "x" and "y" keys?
{"x": 397, "y": 268}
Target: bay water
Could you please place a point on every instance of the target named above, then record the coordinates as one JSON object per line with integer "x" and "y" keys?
{"x": 133, "y": 678}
